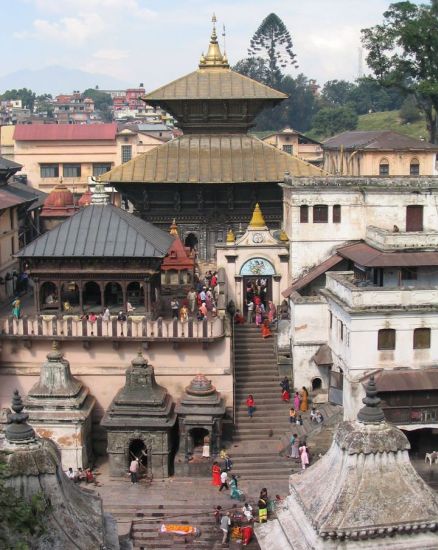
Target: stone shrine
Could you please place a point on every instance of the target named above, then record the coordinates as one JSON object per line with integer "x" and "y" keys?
{"x": 363, "y": 494}
{"x": 75, "y": 520}
{"x": 60, "y": 408}
{"x": 140, "y": 423}
{"x": 200, "y": 413}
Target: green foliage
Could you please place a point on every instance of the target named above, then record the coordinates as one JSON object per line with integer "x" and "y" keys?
{"x": 409, "y": 111}
{"x": 337, "y": 92}
{"x": 21, "y": 521}
{"x": 273, "y": 43}
{"x": 403, "y": 52}
{"x": 253, "y": 67}
{"x": 333, "y": 120}
{"x": 27, "y": 96}
{"x": 390, "y": 120}
{"x": 102, "y": 101}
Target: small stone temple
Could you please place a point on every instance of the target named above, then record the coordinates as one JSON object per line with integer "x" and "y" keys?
{"x": 200, "y": 412}
{"x": 362, "y": 495}
{"x": 75, "y": 520}
{"x": 140, "y": 423}
{"x": 60, "y": 408}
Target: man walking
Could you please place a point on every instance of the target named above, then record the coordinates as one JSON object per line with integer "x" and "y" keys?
{"x": 225, "y": 527}
{"x": 133, "y": 470}
{"x": 174, "y": 306}
{"x": 224, "y": 481}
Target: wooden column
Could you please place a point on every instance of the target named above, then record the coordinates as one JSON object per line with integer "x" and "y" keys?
{"x": 58, "y": 283}
{"x": 36, "y": 294}
{"x": 81, "y": 300}
{"x": 123, "y": 285}
{"x": 147, "y": 294}
{"x": 102, "y": 294}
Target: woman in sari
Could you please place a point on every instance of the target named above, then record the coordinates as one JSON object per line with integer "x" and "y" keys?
{"x": 235, "y": 493}
{"x": 297, "y": 401}
{"x": 216, "y": 474}
{"x": 304, "y": 397}
{"x": 16, "y": 308}
{"x": 266, "y": 331}
{"x": 258, "y": 316}
{"x": 272, "y": 313}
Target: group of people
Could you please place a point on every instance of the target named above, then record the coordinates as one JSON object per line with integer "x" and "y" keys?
{"x": 200, "y": 302}
{"x": 81, "y": 475}
{"x": 299, "y": 450}
{"x": 220, "y": 477}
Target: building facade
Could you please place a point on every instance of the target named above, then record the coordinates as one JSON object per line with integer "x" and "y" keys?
{"x": 293, "y": 142}
{"x": 379, "y": 153}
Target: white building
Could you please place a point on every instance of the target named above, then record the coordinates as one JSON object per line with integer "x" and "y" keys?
{"x": 379, "y": 311}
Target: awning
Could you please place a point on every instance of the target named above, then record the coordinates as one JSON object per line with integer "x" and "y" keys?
{"x": 367, "y": 256}
{"x": 313, "y": 274}
{"x": 323, "y": 357}
{"x": 397, "y": 380}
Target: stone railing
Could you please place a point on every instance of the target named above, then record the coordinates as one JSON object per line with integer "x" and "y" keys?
{"x": 384, "y": 239}
{"x": 136, "y": 327}
{"x": 341, "y": 285}
{"x": 411, "y": 415}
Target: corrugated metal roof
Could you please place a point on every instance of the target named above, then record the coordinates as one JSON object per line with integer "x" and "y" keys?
{"x": 312, "y": 274}
{"x": 101, "y": 231}
{"x": 214, "y": 83}
{"x": 9, "y": 165}
{"x": 219, "y": 158}
{"x": 407, "y": 380}
{"x": 65, "y": 132}
{"x": 10, "y": 197}
{"x": 367, "y": 256}
{"x": 377, "y": 140}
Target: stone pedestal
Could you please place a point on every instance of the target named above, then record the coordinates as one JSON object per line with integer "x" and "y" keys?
{"x": 140, "y": 423}
{"x": 60, "y": 408}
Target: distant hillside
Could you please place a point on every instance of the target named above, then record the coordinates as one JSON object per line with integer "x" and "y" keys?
{"x": 389, "y": 120}
{"x": 55, "y": 80}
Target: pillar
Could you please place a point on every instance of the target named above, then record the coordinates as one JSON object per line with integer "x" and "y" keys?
{"x": 147, "y": 294}
{"x": 102, "y": 294}
{"x": 123, "y": 285}
{"x": 81, "y": 299}
{"x": 36, "y": 294}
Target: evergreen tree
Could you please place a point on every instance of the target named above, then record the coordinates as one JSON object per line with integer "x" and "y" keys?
{"x": 273, "y": 43}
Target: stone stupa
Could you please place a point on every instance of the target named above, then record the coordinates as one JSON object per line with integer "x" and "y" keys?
{"x": 74, "y": 518}
{"x": 60, "y": 408}
{"x": 362, "y": 494}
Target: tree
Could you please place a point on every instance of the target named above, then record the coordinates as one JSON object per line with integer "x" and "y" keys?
{"x": 273, "y": 43}
{"x": 27, "y": 96}
{"x": 409, "y": 111}
{"x": 102, "y": 102}
{"x": 337, "y": 92}
{"x": 253, "y": 67}
{"x": 333, "y": 120}
{"x": 403, "y": 52}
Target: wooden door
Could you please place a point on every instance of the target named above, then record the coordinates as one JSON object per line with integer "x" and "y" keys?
{"x": 414, "y": 218}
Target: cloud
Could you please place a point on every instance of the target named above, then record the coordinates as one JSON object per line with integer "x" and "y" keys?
{"x": 69, "y": 30}
{"x": 132, "y": 8}
{"x": 111, "y": 54}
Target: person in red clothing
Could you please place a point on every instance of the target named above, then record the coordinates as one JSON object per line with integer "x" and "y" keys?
{"x": 250, "y": 403}
{"x": 216, "y": 474}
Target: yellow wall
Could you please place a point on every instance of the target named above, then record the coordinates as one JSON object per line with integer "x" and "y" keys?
{"x": 306, "y": 151}
{"x": 8, "y": 246}
{"x": 367, "y": 163}
{"x": 31, "y": 154}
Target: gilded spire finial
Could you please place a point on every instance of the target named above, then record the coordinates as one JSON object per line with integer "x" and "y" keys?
{"x": 214, "y": 57}
{"x": 257, "y": 220}
{"x": 174, "y": 228}
{"x": 231, "y": 238}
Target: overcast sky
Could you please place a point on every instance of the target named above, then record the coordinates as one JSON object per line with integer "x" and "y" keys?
{"x": 157, "y": 41}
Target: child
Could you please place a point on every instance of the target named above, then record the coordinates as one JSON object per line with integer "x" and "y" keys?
{"x": 313, "y": 414}
{"x": 292, "y": 415}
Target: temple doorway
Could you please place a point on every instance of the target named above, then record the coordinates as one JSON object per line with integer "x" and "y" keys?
{"x": 191, "y": 241}
{"x": 316, "y": 384}
{"x": 113, "y": 295}
{"x": 137, "y": 449}
{"x": 257, "y": 286}
{"x": 198, "y": 435}
{"x": 91, "y": 295}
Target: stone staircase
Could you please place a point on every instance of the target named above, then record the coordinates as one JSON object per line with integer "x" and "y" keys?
{"x": 260, "y": 445}
{"x": 257, "y": 442}
{"x": 147, "y": 518}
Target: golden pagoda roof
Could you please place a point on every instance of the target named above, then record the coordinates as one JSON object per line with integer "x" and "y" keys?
{"x": 257, "y": 219}
{"x": 214, "y": 80}
{"x": 212, "y": 158}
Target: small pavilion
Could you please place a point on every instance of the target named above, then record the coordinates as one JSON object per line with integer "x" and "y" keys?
{"x": 58, "y": 206}
{"x": 100, "y": 257}
{"x": 200, "y": 413}
{"x": 60, "y": 407}
{"x": 140, "y": 423}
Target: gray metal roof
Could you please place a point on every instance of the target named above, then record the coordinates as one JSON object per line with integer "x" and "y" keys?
{"x": 6, "y": 164}
{"x": 384, "y": 140}
{"x": 101, "y": 231}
